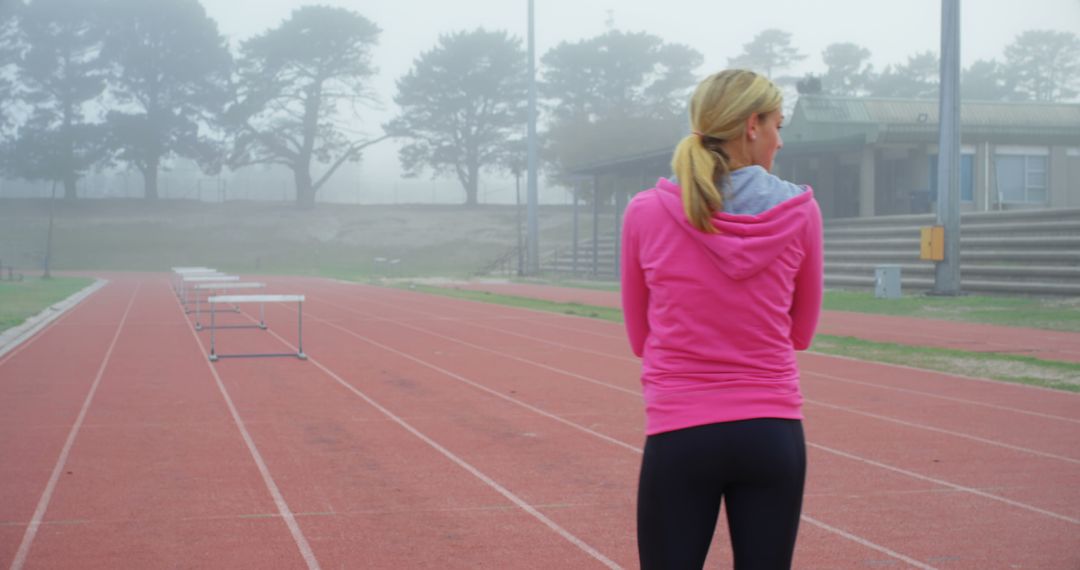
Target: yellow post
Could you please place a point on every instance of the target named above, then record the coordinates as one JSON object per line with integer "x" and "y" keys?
{"x": 932, "y": 243}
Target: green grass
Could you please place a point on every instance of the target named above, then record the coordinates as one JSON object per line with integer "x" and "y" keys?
{"x": 572, "y": 284}
{"x": 1052, "y": 313}
{"x": 1005, "y": 367}
{"x": 1062, "y": 314}
{"x": 603, "y": 313}
{"x": 20, "y": 300}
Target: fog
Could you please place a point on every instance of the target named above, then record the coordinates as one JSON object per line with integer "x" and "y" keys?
{"x": 718, "y": 31}
{"x": 890, "y": 30}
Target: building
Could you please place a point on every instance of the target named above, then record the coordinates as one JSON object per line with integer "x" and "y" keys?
{"x": 876, "y": 157}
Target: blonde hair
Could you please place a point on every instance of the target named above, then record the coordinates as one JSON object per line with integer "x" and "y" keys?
{"x": 719, "y": 109}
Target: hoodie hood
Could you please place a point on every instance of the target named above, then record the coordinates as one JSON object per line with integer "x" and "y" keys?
{"x": 745, "y": 244}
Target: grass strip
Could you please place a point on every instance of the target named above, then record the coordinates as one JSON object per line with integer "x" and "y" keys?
{"x": 20, "y": 300}
{"x": 1005, "y": 367}
{"x": 1053, "y": 313}
{"x": 603, "y": 313}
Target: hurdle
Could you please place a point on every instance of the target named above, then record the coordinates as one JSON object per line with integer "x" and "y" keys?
{"x": 180, "y": 272}
{"x": 298, "y": 299}
{"x": 223, "y": 287}
{"x": 184, "y": 272}
{"x": 206, "y": 278}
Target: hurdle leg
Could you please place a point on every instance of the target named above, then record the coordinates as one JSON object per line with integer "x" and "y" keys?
{"x": 213, "y": 354}
{"x": 262, "y": 316}
{"x": 198, "y": 325}
{"x": 300, "y": 331}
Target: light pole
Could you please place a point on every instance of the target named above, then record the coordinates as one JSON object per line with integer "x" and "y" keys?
{"x": 532, "y": 242}
{"x": 48, "y": 238}
{"x": 947, "y": 271}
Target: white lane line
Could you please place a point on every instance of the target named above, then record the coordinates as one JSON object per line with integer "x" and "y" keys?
{"x": 46, "y": 496}
{"x": 544, "y": 413}
{"x": 944, "y": 483}
{"x": 521, "y": 503}
{"x": 822, "y": 354}
{"x": 941, "y": 397}
{"x": 268, "y": 479}
{"x": 824, "y": 448}
{"x": 481, "y": 387}
{"x": 637, "y": 393}
{"x": 944, "y": 431}
{"x": 413, "y": 296}
{"x": 884, "y": 387}
{"x": 868, "y": 544}
{"x": 35, "y": 327}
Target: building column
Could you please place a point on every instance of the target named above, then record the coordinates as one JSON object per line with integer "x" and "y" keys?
{"x": 981, "y": 175}
{"x": 866, "y": 183}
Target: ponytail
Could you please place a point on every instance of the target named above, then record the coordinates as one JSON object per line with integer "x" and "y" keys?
{"x": 698, "y": 169}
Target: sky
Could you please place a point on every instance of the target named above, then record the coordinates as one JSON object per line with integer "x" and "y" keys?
{"x": 890, "y": 30}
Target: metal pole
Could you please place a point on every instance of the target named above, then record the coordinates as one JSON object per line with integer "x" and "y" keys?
{"x": 532, "y": 241}
{"x": 947, "y": 271}
{"x": 48, "y": 238}
{"x": 300, "y": 330}
{"x": 595, "y": 224}
{"x": 517, "y": 209}
{"x": 577, "y": 190}
{"x": 213, "y": 327}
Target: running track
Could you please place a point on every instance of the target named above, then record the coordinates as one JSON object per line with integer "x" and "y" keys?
{"x": 427, "y": 432}
{"x": 973, "y": 337}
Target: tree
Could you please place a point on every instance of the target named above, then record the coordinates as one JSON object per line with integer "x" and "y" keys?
{"x": 810, "y": 84}
{"x": 9, "y": 53}
{"x": 985, "y": 80}
{"x": 614, "y": 94}
{"x": 617, "y": 74}
{"x": 294, "y": 81}
{"x": 172, "y": 71}
{"x": 462, "y": 104}
{"x": 62, "y": 72}
{"x": 916, "y": 79}
{"x": 770, "y": 50}
{"x": 1044, "y": 65}
{"x": 847, "y": 69}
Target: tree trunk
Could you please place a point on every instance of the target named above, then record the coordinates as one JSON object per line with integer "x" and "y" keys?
{"x": 305, "y": 193}
{"x": 472, "y": 185}
{"x": 69, "y": 177}
{"x": 150, "y": 177}
{"x": 70, "y": 189}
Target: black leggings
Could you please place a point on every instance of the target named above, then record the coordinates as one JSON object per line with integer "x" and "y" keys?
{"x": 757, "y": 466}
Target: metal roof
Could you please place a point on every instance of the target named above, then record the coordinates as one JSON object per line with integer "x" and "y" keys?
{"x": 820, "y": 117}
{"x": 823, "y": 123}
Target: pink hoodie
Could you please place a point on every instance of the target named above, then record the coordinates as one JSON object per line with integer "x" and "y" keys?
{"x": 717, "y": 318}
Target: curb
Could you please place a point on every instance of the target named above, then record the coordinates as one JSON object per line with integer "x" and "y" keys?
{"x": 17, "y": 335}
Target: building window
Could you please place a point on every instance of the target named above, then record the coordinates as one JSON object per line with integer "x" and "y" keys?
{"x": 967, "y": 163}
{"x": 1021, "y": 178}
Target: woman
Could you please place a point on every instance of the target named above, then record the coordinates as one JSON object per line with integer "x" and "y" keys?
{"x": 721, "y": 284}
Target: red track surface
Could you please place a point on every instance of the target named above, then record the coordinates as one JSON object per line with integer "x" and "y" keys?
{"x": 1038, "y": 343}
{"x": 440, "y": 433}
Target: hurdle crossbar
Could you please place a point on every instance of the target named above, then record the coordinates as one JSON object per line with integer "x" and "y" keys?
{"x": 221, "y": 287}
{"x": 235, "y": 299}
{"x": 180, "y": 272}
{"x": 207, "y": 278}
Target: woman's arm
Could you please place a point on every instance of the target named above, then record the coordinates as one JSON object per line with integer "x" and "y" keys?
{"x": 809, "y": 284}
{"x": 635, "y": 294}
